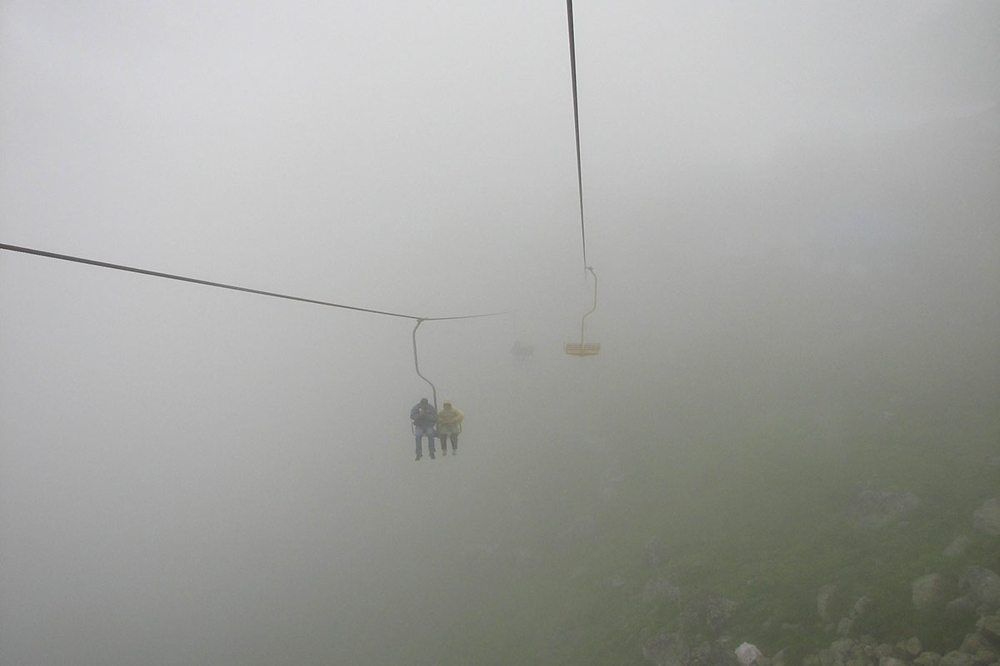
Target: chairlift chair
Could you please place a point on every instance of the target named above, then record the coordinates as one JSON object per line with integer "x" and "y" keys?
{"x": 583, "y": 348}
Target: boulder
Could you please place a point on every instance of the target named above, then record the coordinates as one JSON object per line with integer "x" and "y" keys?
{"x": 860, "y": 606}
{"x": 986, "y": 519}
{"x": 891, "y": 661}
{"x": 747, "y": 654}
{"x": 984, "y": 657}
{"x": 927, "y": 659}
{"x": 928, "y": 591}
{"x": 956, "y": 658}
{"x": 972, "y": 643}
{"x": 841, "y": 648}
{"x": 989, "y": 627}
{"x": 911, "y": 647}
{"x": 717, "y": 613}
{"x": 961, "y": 606}
{"x": 982, "y": 587}
{"x": 825, "y": 601}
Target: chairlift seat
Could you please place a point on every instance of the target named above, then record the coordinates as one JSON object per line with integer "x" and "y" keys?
{"x": 584, "y": 349}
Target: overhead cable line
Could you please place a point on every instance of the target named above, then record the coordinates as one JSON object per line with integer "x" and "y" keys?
{"x": 583, "y": 348}
{"x": 576, "y": 125}
{"x": 207, "y": 283}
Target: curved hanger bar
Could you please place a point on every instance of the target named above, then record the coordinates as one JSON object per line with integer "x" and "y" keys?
{"x": 583, "y": 321}
{"x": 416, "y": 363}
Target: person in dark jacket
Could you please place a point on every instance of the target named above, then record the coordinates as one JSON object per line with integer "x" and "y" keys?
{"x": 424, "y": 416}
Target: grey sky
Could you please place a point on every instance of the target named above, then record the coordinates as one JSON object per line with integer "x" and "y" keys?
{"x": 195, "y": 459}
{"x": 297, "y": 148}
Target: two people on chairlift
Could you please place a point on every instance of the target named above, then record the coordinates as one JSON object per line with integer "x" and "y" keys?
{"x": 430, "y": 423}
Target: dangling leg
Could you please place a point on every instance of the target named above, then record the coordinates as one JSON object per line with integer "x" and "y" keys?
{"x": 420, "y": 451}
{"x": 444, "y": 444}
{"x": 454, "y": 444}
{"x": 430, "y": 443}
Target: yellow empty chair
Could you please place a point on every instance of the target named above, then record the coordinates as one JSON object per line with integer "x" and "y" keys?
{"x": 585, "y": 348}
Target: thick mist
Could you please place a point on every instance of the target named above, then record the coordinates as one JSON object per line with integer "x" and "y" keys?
{"x": 791, "y": 210}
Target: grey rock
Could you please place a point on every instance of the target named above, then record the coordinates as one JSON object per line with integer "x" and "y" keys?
{"x": 858, "y": 652}
{"x": 842, "y": 648}
{"x": 748, "y": 653}
{"x": 987, "y": 517}
{"x": 825, "y": 600}
{"x": 983, "y": 588}
{"x": 928, "y": 591}
{"x": 891, "y": 661}
{"x": 989, "y": 627}
{"x": 718, "y": 611}
{"x": 957, "y": 547}
{"x": 973, "y": 643}
{"x": 910, "y": 647}
{"x": 984, "y": 657}
{"x": 961, "y": 606}
{"x": 956, "y": 658}
{"x": 860, "y": 606}
{"x": 844, "y": 626}
{"x": 927, "y": 659}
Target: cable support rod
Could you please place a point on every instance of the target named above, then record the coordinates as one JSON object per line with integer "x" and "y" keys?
{"x": 576, "y": 126}
{"x": 416, "y": 363}
{"x": 220, "y": 285}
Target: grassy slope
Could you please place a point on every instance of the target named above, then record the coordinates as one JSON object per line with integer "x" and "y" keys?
{"x": 743, "y": 480}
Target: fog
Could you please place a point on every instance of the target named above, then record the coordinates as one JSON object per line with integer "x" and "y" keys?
{"x": 791, "y": 208}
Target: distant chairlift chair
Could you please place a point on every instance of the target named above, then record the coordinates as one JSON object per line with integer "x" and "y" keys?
{"x": 585, "y": 348}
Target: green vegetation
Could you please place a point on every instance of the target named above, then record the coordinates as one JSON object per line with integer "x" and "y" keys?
{"x": 757, "y": 518}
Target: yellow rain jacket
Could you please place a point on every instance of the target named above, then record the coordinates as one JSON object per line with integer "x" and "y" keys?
{"x": 449, "y": 420}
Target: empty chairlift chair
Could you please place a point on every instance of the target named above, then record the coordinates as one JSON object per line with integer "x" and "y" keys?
{"x": 584, "y": 348}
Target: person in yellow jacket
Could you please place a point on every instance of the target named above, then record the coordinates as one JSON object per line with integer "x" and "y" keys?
{"x": 449, "y": 425}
